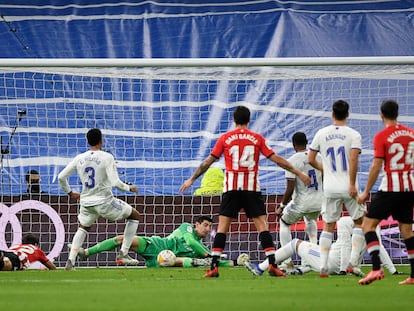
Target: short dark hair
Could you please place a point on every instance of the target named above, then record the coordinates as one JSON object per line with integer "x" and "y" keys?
{"x": 299, "y": 139}
{"x": 340, "y": 109}
{"x": 94, "y": 136}
{"x": 31, "y": 172}
{"x": 241, "y": 115}
{"x": 389, "y": 109}
{"x": 202, "y": 218}
{"x": 30, "y": 239}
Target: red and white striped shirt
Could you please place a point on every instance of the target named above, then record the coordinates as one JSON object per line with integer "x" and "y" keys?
{"x": 241, "y": 149}
{"x": 27, "y": 254}
{"x": 395, "y": 144}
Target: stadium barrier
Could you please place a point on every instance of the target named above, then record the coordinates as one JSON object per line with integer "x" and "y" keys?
{"x": 54, "y": 220}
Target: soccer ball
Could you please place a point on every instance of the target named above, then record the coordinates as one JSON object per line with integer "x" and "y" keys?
{"x": 242, "y": 258}
{"x": 166, "y": 258}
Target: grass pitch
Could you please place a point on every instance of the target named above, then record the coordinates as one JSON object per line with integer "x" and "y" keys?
{"x": 173, "y": 289}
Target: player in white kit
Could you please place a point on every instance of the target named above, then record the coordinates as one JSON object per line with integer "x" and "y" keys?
{"x": 339, "y": 254}
{"x": 339, "y": 146}
{"x": 300, "y": 201}
{"x": 98, "y": 174}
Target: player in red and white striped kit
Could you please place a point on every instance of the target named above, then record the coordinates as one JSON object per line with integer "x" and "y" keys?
{"x": 241, "y": 149}
{"x": 393, "y": 152}
{"x": 19, "y": 257}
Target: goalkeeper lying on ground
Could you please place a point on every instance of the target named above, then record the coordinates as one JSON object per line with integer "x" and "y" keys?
{"x": 185, "y": 242}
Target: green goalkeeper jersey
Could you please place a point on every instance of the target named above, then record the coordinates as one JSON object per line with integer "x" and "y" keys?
{"x": 183, "y": 241}
{"x": 191, "y": 244}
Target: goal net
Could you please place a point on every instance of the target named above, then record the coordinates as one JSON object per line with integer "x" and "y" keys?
{"x": 161, "y": 118}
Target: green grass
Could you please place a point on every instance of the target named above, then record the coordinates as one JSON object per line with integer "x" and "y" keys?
{"x": 171, "y": 289}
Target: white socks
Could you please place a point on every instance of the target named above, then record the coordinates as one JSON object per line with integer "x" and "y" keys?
{"x": 77, "y": 242}
{"x": 312, "y": 230}
{"x": 285, "y": 235}
{"x": 325, "y": 242}
{"x": 285, "y": 252}
{"x": 281, "y": 254}
{"x": 129, "y": 234}
{"x": 358, "y": 243}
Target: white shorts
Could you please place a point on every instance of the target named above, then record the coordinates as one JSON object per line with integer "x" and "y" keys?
{"x": 292, "y": 214}
{"x": 114, "y": 210}
{"x": 332, "y": 208}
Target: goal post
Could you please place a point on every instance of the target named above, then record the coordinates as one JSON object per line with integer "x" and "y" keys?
{"x": 204, "y": 62}
{"x": 160, "y": 119}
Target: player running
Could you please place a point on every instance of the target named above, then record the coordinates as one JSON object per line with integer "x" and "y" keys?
{"x": 393, "y": 152}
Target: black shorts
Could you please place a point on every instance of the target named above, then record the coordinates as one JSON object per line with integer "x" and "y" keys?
{"x": 399, "y": 205}
{"x": 14, "y": 259}
{"x": 251, "y": 202}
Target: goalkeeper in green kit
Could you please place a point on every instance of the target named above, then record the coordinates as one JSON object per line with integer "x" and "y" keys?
{"x": 185, "y": 242}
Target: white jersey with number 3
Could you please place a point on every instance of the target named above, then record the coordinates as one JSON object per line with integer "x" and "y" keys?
{"x": 334, "y": 144}
{"x": 98, "y": 174}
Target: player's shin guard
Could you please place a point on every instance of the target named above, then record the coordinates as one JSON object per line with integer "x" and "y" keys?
{"x": 285, "y": 235}
{"x": 77, "y": 242}
{"x": 358, "y": 243}
{"x": 217, "y": 249}
{"x": 409, "y": 244}
{"x": 268, "y": 246}
{"x": 312, "y": 230}
{"x": 286, "y": 251}
{"x": 129, "y": 234}
{"x": 325, "y": 242}
{"x": 373, "y": 248}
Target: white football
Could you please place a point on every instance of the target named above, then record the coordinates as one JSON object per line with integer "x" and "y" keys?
{"x": 166, "y": 258}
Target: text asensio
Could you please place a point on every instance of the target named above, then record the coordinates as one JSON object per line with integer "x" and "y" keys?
{"x": 335, "y": 136}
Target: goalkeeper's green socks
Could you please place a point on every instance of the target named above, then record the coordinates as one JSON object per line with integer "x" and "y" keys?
{"x": 187, "y": 263}
{"x": 106, "y": 245}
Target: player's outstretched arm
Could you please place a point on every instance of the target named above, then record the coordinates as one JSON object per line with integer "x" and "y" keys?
{"x": 50, "y": 265}
{"x": 198, "y": 172}
{"x": 200, "y": 249}
{"x": 285, "y": 164}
